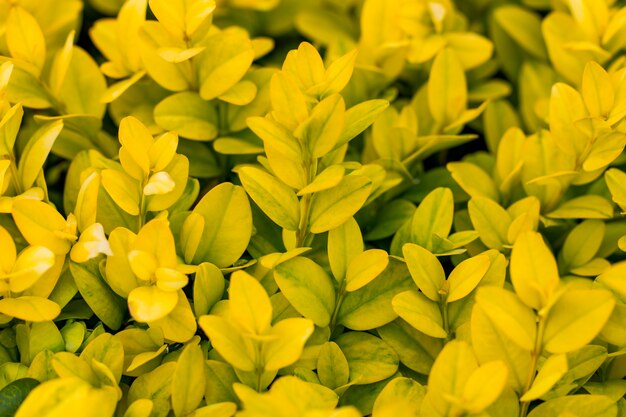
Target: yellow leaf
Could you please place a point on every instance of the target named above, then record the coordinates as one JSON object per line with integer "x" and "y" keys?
{"x": 198, "y": 12}
{"x": 137, "y": 140}
{"x": 38, "y": 222}
{"x": 277, "y": 200}
{"x": 420, "y": 312}
{"x": 87, "y": 201}
{"x": 171, "y": 14}
{"x": 36, "y": 152}
{"x": 30, "y": 308}
{"x": 240, "y": 94}
{"x": 509, "y": 315}
{"x": 163, "y": 150}
{"x": 533, "y": 270}
{"x": 550, "y": 373}
{"x": 8, "y": 253}
{"x": 344, "y": 244}
{"x": 597, "y": 90}
{"x": 339, "y": 72}
{"x": 25, "y": 39}
{"x": 228, "y": 342}
{"x": 466, "y": 276}
{"x": 159, "y": 183}
{"x": 91, "y": 243}
{"x": 30, "y": 265}
{"x": 123, "y": 189}
{"x": 484, "y": 386}
{"x": 61, "y": 64}
{"x": 576, "y": 318}
{"x": 148, "y": 304}
{"x": 169, "y": 279}
{"x": 178, "y": 55}
{"x": 287, "y": 342}
{"x": 288, "y": 102}
{"x": 250, "y": 305}
{"x": 365, "y": 267}
{"x": 331, "y": 208}
{"x": 447, "y": 88}
{"x": 425, "y": 269}
{"x": 328, "y": 178}
{"x": 226, "y": 59}
{"x": 68, "y": 396}
{"x": 322, "y": 129}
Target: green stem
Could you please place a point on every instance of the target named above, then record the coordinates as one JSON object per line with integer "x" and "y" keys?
{"x": 302, "y": 235}
{"x": 341, "y": 293}
{"x": 14, "y": 175}
{"x": 534, "y": 358}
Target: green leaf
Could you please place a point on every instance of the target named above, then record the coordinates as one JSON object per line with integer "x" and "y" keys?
{"x": 433, "y": 217}
{"x": 331, "y": 208}
{"x": 447, "y": 89}
{"x": 425, "y": 269}
{"x": 585, "y": 207}
{"x": 323, "y": 128}
{"x": 509, "y": 315}
{"x": 189, "y": 115}
{"x": 227, "y": 225}
{"x": 420, "y": 312}
{"x": 360, "y": 117}
{"x": 401, "y": 397}
{"x": 12, "y": 395}
{"x": 369, "y": 358}
{"x": 576, "y": 318}
{"x": 344, "y": 244}
{"x": 208, "y": 288}
{"x": 84, "y": 86}
{"x": 416, "y": 350}
{"x": 581, "y": 244}
{"x": 276, "y": 199}
{"x": 616, "y": 180}
{"x": 108, "y": 306}
{"x": 524, "y": 27}
{"x": 490, "y": 220}
{"x": 188, "y": 380}
{"x": 577, "y": 405}
{"x": 332, "y": 366}
{"x": 474, "y": 180}
{"x": 308, "y": 288}
{"x": 370, "y": 307}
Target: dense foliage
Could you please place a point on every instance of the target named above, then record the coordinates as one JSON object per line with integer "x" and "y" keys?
{"x": 321, "y": 208}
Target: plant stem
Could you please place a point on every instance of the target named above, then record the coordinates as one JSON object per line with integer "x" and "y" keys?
{"x": 534, "y": 358}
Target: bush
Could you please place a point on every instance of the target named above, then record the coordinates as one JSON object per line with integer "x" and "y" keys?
{"x": 203, "y": 214}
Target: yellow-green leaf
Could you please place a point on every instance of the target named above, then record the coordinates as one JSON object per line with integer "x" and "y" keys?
{"x": 533, "y": 270}
{"x": 466, "y": 276}
{"x": 576, "y": 318}
{"x": 276, "y": 199}
{"x": 425, "y": 269}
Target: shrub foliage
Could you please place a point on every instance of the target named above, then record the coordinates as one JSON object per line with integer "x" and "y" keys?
{"x": 321, "y": 208}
